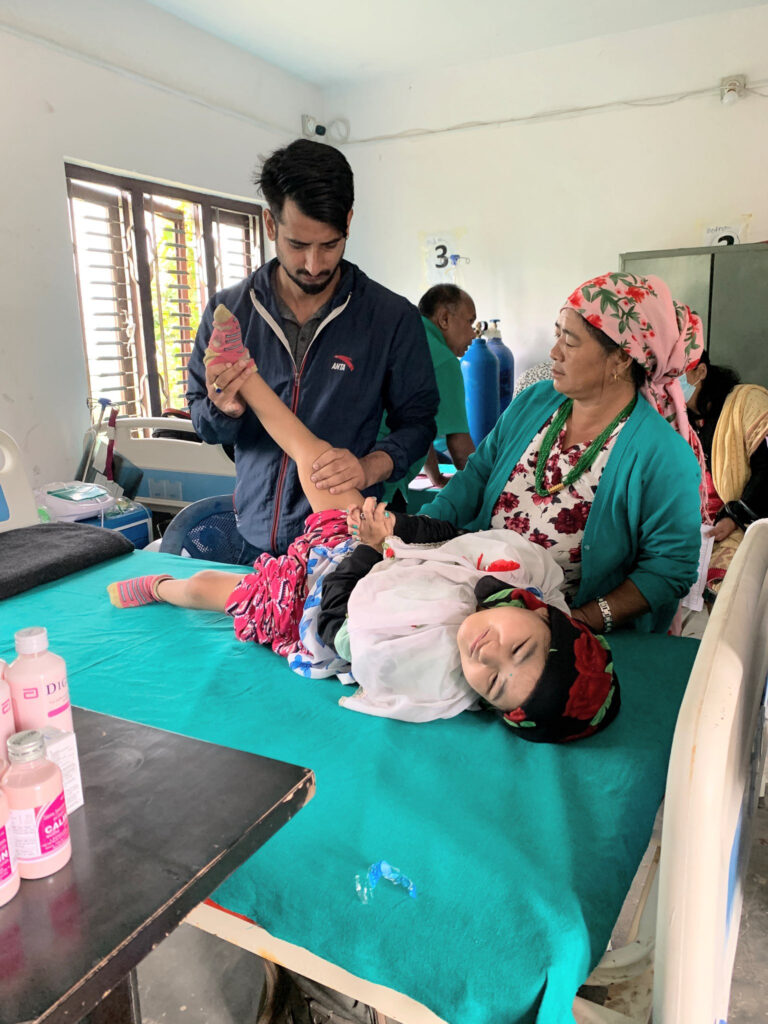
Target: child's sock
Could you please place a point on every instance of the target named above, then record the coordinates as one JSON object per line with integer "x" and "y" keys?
{"x": 135, "y": 592}
{"x": 226, "y": 342}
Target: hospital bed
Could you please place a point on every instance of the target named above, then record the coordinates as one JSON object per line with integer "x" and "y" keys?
{"x": 678, "y": 960}
{"x": 521, "y": 853}
{"x": 692, "y": 908}
{"x": 176, "y": 472}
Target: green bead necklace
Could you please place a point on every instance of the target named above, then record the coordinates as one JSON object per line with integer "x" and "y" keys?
{"x": 586, "y": 459}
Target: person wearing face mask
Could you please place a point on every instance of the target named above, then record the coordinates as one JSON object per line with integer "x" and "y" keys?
{"x": 731, "y": 420}
{"x": 601, "y": 466}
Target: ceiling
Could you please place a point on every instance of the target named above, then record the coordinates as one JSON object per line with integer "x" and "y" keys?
{"x": 347, "y": 41}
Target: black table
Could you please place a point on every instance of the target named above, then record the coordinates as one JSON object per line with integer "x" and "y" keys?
{"x": 166, "y": 819}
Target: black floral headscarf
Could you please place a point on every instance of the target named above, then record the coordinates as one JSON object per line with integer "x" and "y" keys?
{"x": 578, "y": 693}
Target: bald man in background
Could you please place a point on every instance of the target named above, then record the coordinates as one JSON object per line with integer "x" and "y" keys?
{"x": 448, "y": 314}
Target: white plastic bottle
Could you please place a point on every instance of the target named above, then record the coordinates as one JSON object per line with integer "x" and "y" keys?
{"x": 38, "y": 682}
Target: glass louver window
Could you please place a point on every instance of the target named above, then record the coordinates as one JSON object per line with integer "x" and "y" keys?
{"x": 106, "y": 283}
{"x": 147, "y": 258}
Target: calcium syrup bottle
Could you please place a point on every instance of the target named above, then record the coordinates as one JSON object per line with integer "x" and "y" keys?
{"x": 9, "y": 870}
{"x": 38, "y": 820}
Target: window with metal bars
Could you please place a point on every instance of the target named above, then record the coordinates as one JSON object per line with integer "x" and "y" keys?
{"x": 147, "y": 258}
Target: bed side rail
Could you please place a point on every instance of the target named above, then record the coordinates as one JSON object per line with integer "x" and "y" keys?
{"x": 711, "y": 796}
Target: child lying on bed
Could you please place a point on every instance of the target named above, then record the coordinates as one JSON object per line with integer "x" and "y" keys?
{"x": 423, "y": 617}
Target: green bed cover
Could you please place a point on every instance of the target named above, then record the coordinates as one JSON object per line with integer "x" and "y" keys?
{"x": 521, "y": 853}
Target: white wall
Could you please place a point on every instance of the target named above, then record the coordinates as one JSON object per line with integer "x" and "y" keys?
{"x": 61, "y": 106}
{"x": 542, "y": 206}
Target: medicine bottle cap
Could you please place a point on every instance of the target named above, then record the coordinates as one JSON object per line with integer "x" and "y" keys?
{"x": 32, "y": 640}
{"x": 28, "y": 745}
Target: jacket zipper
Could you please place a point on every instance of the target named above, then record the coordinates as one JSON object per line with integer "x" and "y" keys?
{"x": 294, "y": 396}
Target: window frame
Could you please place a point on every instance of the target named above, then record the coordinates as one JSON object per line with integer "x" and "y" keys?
{"x": 134, "y": 190}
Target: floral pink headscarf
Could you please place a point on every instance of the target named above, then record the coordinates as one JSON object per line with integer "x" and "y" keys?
{"x": 664, "y": 336}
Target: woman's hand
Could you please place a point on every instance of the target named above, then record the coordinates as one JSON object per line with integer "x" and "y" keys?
{"x": 590, "y": 615}
{"x": 353, "y": 518}
{"x": 722, "y": 529}
{"x": 371, "y": 524}
{"x": 626, "y": 602}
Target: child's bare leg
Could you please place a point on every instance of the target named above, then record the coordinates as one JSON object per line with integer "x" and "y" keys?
{"x": 296, "y": 440}
{"x": 207, "y": 590}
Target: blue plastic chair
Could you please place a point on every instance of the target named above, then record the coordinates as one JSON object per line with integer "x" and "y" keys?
{"x": 206, "y": 529}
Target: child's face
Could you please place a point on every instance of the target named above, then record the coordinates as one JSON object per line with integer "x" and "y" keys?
{"x": 503, "y": 651}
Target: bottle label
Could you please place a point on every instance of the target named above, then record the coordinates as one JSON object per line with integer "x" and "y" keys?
{"x": 61, "y": 748}
{"x": 40, "y": 832}
{"x": 54, "y": 694}
{"x": 7, "y": 854}
{"x": 60, "y": 708}
{"x": 5, "y": 707}
{"x": 57, "y": 696}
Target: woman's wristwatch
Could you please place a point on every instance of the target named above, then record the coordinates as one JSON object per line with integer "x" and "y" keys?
{"x": 605, "y": 611}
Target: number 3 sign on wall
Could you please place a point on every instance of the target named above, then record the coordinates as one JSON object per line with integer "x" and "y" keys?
{"x": 436, "y": 258}
{"x": 441, "y": 256}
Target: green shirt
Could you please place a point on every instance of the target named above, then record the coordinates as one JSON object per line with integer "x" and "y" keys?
{"x": 451, "y": 413}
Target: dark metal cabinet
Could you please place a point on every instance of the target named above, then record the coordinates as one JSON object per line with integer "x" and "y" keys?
{"x": 728, "y": 287}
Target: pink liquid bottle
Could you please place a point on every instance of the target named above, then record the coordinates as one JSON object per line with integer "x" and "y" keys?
{"x": 38, "y": 820}
{"x": 9, "y": 869}
{"x": 38, "y": 682}
{"x": 7, "y": 723}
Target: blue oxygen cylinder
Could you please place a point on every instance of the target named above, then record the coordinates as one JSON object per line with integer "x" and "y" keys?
{"x": 506, "y": 364}
{"x": 480, "y": 368}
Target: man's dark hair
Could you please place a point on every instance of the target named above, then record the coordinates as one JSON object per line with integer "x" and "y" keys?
{"x": 315, "y": 176}
{"x": 440, "y": 295}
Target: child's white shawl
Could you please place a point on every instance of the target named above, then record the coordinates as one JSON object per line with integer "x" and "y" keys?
{"x": 405, "y": 614}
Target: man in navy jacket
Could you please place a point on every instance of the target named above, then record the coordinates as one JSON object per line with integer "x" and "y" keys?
{"x": 339, "y": 349}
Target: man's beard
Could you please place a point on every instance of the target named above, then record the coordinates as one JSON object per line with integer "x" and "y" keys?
{"x": 311, "y": 288}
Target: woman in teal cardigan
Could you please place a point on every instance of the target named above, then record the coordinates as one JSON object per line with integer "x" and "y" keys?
{"x": 601, "y": 477}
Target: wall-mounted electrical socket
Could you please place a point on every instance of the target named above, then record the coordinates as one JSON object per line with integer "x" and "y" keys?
{"x": 310, "y": 128}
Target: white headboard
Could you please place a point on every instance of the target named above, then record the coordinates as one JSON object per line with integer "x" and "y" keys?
{"x": 712, "y": 790}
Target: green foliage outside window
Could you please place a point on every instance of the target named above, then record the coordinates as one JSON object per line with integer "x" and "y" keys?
{"x": 177, "y": 303}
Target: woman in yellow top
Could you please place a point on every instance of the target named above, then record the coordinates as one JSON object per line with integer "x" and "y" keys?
{"x": 731, "y": 420}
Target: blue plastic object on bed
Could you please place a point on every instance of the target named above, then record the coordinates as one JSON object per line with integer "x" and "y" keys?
{"x": 206, "y": 529}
